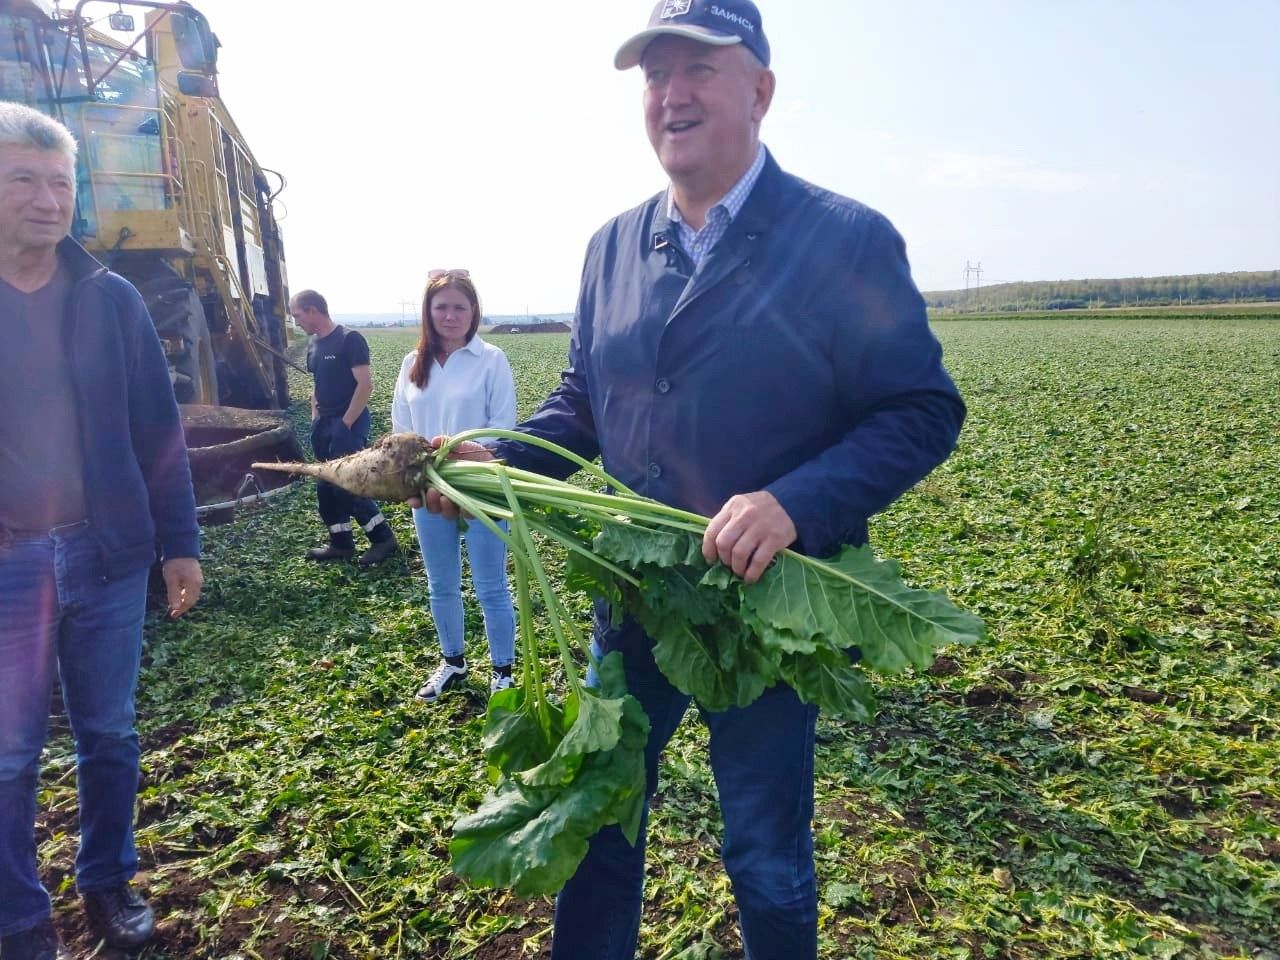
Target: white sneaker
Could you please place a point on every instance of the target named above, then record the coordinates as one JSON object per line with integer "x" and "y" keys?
{"x": 501, "y": 681}
{"x": 446, "y": 677}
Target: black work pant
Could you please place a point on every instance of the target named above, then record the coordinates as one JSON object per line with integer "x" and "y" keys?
{"x": 330, "y": 439}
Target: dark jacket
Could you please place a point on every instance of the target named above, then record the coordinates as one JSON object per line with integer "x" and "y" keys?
{"x": 137, "y": 478}
{"x": 796, "y": 359}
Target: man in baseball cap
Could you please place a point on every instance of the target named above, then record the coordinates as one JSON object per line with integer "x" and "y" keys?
{"x": 717, "y": 24}
{"x": 749, "y": 347}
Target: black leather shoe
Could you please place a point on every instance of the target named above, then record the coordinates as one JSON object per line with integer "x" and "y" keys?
{"x": 331, "y": 552}
{"x": 39, "y": 943}
{"x": 119, "y": 916}
{"x": 378, "y": 552}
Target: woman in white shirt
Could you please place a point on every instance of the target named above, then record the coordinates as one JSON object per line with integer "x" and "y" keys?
{"x": 455, "y": 381}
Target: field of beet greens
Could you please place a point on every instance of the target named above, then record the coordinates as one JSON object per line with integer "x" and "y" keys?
{"x": 1102, "y": 779}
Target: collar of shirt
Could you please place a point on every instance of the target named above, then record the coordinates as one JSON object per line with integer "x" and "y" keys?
{"x": 475, "y": 345}
{"x": 698, "y": 243}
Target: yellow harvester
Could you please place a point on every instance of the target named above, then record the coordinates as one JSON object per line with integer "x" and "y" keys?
{"x": 170, "y": 196}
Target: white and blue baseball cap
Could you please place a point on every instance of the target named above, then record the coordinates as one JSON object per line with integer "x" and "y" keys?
{"x": 721, "y": 24}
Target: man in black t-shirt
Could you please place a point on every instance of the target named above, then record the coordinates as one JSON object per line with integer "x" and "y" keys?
{"x": 339, "y": 361}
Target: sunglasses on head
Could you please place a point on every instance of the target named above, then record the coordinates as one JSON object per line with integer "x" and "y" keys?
{"x": 453, "y": 274}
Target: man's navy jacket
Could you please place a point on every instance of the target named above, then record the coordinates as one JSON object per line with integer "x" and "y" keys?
{"x": 137, "y": 478}
{"x": 796, "y": 359}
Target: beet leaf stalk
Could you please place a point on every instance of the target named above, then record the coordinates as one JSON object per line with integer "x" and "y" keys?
{"x": 560, "y": 772}
{"x": 816, "y": 624}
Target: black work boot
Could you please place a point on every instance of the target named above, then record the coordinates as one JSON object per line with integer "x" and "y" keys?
{"x": 382, "y": 546}
{"x": 39, "y": 943}
{"x": 119, "y": 916}
{"x": 341, "y": 546}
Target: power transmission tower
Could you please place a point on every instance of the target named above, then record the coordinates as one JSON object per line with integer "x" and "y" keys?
{"x": 971, "y": 271}
{"x": 404, "y": 305}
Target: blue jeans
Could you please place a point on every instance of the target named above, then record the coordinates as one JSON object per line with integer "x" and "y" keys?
{"x": 762, "y": 759}
{"x": 440, "y": 540}
{"x": 55, "y": 612}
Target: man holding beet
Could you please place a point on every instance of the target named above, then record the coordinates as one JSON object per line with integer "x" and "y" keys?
{"x": 750, "y": 347}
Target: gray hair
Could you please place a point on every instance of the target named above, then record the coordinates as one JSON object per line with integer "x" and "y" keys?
{"x": 21, "y": 126}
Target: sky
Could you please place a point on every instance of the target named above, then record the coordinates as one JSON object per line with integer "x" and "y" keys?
{"x": 1090, "y": 139}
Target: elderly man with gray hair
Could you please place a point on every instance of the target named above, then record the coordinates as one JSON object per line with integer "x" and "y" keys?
{"x": 94, "y": 478}
{"x": 751, "y": 347}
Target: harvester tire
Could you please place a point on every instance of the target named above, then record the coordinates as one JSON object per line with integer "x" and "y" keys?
{"x": 177, "y": 312}
{"x": 199, "y": 364}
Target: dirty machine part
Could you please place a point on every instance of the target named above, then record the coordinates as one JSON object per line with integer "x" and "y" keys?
{"x": 224, "y": 442}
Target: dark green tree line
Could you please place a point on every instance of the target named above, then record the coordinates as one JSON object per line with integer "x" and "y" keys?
{"x": 1133, "y": 291}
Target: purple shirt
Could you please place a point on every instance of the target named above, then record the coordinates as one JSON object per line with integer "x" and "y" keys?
{"x": 41, "y": 471}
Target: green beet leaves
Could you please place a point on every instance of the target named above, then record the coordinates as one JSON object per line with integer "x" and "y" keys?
{"x": 724, "y": 641}
{"x": 854, "y": 599}
{"x": 531, "y": 832}
{"x": 562, "y": 771}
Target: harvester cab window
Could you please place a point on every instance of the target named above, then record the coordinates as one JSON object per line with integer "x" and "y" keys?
{"x": 121, "y": 130}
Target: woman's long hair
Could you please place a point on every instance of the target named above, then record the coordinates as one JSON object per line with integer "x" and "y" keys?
{"x": 429, "y": 342}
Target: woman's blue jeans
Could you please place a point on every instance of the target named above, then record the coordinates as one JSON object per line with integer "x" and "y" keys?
{"x": 440, "y": 540}
{"x": 762, "y": 759}
{"x": 57, "y": 613}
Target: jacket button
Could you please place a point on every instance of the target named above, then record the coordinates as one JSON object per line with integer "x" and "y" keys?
{"x": 655, "y": 470}
{"x": 663, "y": 385}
